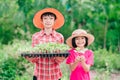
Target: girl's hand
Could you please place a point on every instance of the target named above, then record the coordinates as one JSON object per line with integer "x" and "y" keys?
{"x": 85, "y": 66}
{"x": 77, "y": 59}
{"x": 82, "y": 59}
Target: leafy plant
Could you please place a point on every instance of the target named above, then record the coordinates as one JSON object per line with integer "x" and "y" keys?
{"x": 106, "y": 60}
{"x": 45, "y": 48}
{"x": 11, "y": 67}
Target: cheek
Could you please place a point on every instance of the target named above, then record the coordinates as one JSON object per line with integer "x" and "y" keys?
{"x": 53, "y": 21}
{"x": 43, "y": 21}
{"x": 84, "y": 41}
{"x": 76, "y": 41}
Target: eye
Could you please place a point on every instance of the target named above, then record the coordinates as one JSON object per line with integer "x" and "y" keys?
{"x": 82, "y": 37}
{"x": 51, "y": 18}
{"x": 76, "y": 38}
{"x": 44, "y": 18}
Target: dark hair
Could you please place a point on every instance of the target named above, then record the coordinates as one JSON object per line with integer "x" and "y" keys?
{"x": 86, "y": 44}
{"x": 74, "y": 44}
{"x": 47, "y": 14}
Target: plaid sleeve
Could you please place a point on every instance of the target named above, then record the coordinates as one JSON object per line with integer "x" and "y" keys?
{"x": 61, "y": 38}
{"x": 34, "y": 60}
{"x": 34, "y": 40}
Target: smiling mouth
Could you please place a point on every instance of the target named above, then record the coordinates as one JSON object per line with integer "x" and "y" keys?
{"x": 48, "y": 24}
{"x": 81, "y": 43}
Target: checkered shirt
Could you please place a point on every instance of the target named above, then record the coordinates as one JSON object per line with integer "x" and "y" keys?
{"x": 46, "y": 68}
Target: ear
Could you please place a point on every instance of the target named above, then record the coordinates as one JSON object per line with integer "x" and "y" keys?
{"x": 54, "y": 21}
{"x": 41, "y": 22}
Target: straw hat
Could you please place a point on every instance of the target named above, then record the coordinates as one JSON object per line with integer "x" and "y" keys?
{"x": 59, "y": 18}
{"x": 80, "y": 32}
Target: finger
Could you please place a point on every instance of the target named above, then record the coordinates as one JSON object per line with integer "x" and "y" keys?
{"x": 80, "y": 59}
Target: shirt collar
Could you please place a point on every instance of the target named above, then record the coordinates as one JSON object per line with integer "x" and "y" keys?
{"x": 81, "y": 51}
{"x": 53, "y": 33}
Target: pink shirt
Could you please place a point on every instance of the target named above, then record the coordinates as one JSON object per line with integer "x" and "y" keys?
{"x": 47, "y": 68}
{"x": 79, "y": 73}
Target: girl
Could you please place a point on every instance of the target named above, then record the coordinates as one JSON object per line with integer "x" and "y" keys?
{"x": 80, "y": 59}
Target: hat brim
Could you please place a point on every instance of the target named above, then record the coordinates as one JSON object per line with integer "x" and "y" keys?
{"x": 58, "y": 23}
{"x": 89, "y": 36}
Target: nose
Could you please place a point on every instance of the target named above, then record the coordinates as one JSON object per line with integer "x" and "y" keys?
{"x": 48, "y": 20}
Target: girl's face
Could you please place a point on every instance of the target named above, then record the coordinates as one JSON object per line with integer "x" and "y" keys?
{"x": 48, "y": 21}
{"x": 80, "y": 41}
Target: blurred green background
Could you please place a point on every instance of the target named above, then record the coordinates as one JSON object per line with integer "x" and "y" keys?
{"x": 99, "y": 17}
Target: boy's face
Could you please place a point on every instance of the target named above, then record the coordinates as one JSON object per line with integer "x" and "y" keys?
{"x": 48, "y": 21}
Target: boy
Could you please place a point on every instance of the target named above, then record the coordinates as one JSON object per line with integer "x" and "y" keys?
{"x": 48, "y": 20}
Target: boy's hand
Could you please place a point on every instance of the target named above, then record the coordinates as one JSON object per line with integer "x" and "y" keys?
{"x": 59, "y": 59}
{"x": 30, "y": 59}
